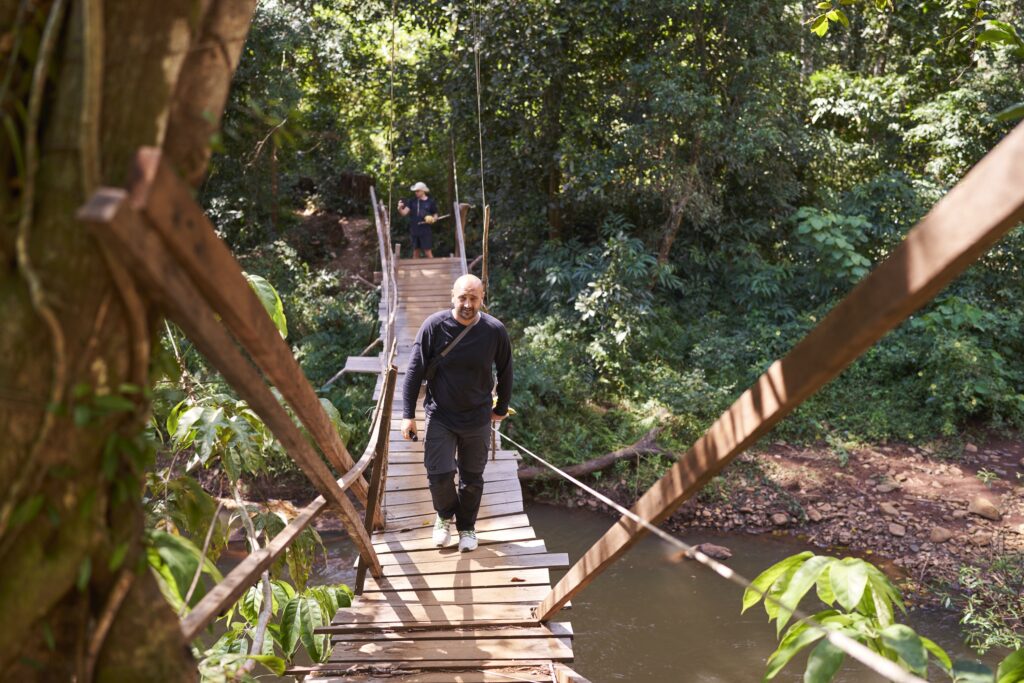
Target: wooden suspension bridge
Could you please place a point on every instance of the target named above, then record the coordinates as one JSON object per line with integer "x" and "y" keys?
{"x": 425, "y": 614}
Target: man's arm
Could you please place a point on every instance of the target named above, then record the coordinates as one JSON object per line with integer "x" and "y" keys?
{"x": 402, "y": 208}
{"x": 503, "y": 366}
{"x": 414, "y": 374}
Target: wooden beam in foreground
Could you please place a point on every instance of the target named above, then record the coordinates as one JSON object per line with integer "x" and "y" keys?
{"x": 117, "y": 224}
{"x": 166, "y": 201}
{"x": 983, "y": 207}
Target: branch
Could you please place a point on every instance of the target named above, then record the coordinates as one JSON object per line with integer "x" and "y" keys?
{"x": 647, "y": 445}
{"x": 268, "y": 592}
{"x": 202, "y": 558}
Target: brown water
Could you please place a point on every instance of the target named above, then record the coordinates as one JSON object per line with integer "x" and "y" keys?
{"x": 648, "y": 618}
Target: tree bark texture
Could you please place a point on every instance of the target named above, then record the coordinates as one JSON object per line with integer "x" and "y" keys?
{"x": 77, "y": 599}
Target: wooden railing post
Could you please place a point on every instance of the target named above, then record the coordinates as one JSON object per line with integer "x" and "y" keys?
{"x": 166, "y": 202}
{"x": 378, "y": 473}
{"x": 982, "y": 207}
{"x": 460, "y": 239}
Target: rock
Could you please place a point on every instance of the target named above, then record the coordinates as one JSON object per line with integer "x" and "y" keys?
{"x": 814, "y": 515}
{"x": 780, "y": 519}
{"x": 825, "y": 507}
{"x": 983, "y": 507}
{"x": 970, "y": 448}
{"x": 981, "y": 540}
{"x": 902, "y": 476}
{"x": 718, "y": 552}
{"x": 940, "y": 534}
{"x": 845, "y": 538}
{"x": 959, "y": 514}
{"x": 897, "y": 529}
{"x": 886, "y": 488}
{"x": 1021, "y": 463}
{"x": 747, "y": 510}
{"x": 937, "y": 485}
{"x": 888, "y": 509}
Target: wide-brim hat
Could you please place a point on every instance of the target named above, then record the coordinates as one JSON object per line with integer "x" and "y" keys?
{"x": 420, "y": 186}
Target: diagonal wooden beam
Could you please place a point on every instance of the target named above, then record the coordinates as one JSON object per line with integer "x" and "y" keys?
{"x": 115, "y": 222}
{"x": 983, "y": 207}
{"x": 167, "y": 203}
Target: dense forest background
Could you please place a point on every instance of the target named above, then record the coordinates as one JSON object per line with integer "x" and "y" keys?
{"x": 679, "y": 192}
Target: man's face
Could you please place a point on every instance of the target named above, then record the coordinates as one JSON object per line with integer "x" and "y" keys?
{"x": 466, "y": 301}
{"x": 420, "y": 194}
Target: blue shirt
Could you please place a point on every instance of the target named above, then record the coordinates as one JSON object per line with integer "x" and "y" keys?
{"x": 418, "y": 210}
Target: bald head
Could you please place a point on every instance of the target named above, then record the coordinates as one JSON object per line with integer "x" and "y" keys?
{"x": 467, "y": 297}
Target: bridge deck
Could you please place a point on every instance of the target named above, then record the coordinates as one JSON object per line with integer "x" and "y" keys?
{"x": 438, "y": 614}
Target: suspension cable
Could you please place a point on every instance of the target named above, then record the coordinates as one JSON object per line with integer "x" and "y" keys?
{"x": 479, "y": 122}
{"x": 391, "y": 110}
{"x": 854, "y": 649}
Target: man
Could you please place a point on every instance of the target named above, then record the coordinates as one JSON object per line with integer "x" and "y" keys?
{"x": 423, "y": 212}
{"x": 458, "y": 404}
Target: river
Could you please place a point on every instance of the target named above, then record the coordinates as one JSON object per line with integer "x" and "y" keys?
{"x": 649, "y": 618}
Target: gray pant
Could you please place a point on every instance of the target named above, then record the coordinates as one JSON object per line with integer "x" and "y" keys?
{"x": 440, "y": 447}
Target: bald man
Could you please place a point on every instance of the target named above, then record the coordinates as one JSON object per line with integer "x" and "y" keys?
{"x": 460, "y": 373}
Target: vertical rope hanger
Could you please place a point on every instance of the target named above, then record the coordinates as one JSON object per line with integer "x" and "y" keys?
{"x": 480, "y": 140}
{"x": 391, "y": 110}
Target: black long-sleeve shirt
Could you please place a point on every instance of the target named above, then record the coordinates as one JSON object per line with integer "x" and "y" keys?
{"x": 460, "y": 393}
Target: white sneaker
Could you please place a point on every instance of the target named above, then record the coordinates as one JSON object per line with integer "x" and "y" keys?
{"x": 442, "y": 531}
{"x": 467, "y": 541}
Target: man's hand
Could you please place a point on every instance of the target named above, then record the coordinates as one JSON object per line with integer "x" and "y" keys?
{"x": 497, "y": 418}
{"x": 408, "y": 429}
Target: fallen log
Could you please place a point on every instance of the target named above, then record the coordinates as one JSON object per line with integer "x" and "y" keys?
{"x": 647, "y": 445}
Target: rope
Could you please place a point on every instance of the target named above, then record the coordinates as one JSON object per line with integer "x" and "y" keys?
{"x": 391, "y": 122}
{"x": 851, "y": 647}
{"x": 479, "y": 122}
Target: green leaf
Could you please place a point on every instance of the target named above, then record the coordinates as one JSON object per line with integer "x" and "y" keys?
{"x": 301, "y": 616}
{"x": 849, "y": 579}
{"x": 824, "y": 586}
{"x": 1011, "y": 113}
{"x": 802, "y": 580}
{"x": 84, "y": 572}
{"x": 268, "y": 296}
{"x": 843, "y": 19}
{"x": 965, "y": 671}
{"x": 1011, "y": 669}
{"x": 907, "y": 644}
{"x": 117, "y": 556}
{"x": 823, "y": 663}
{"x": 272, "y": 663}
{"x": 820, "y": 25}
{"x": 797, "y": 637}
{"x": 343, "y": 428}
{"x": 27, "y": 510}
{"x": 938, "y": 653}
{"x": 766, "y": 578}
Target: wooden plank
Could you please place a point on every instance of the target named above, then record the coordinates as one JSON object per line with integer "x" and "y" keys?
{"x": 556, "y": 629}
{"x": 428, "y": 518}
{"x": 506, "y": 675}
{"x": 514, "y": 577}
{"x": 524, "y": 533}
{"x": 385, "y": 672}
{"x": 983, "y": 206}
{"x": 401, "y": 534}
{"x": 114, "y": 221}
{"x": 466, "y": 564}
{"x": 529, "y": 547}
{"x": 426, "y": 508}
{"x": 460, "y": 596}
{"x": 167, "y": 202}
{"x": 404, "y": 470}
{"x": 422, "y": 495}
{"x": 414, "y": 482}
{"x": 404, "y": 457}
{"x": 379, "y": 616}
{"x": 482, "y": 648}
{"x": 564, "y": 674}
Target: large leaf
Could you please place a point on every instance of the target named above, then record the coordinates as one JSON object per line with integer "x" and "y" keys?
{"x": 1011, "y": 669}
{"x": 907, "y": 644}
{"x": 823, "y": 663}
{"x": 849, "y": 578}
{"x": 1011, "y": 113}
{"x": 797, "y": 637}
{"x": 300, "y": 618}
{"x": 343, "y": 428}
{"x": 939, "y": 654}
{"x": 802, "y": 580}
{"x": 271, "y": 301}
{"x": 180, "y": 558}
{"x": 766, "y": 578}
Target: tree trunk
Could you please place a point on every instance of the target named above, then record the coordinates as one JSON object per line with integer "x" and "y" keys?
{"x": 551, "y": 120}
{"x": 647, "y": 445}
{"x": 670, "y": 230}
{"x": 77, "y": 598}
